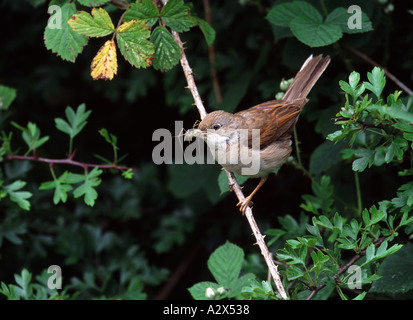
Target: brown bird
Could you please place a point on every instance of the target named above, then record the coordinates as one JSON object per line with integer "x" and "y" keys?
{"x": 255, "y": 153}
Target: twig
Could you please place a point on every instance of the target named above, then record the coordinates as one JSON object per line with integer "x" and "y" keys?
{"x": 232, "y": 181}
{"x": 189, "y": 75}
{"x": 258, "y": 236}
{"x": 68, "y": 161}
{"x": 387, "y": 72}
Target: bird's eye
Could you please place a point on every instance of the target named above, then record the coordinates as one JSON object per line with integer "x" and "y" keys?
{"x": 216, "y": 126}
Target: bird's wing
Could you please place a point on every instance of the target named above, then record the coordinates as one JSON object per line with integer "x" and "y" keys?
{"x": 280, "y": 117}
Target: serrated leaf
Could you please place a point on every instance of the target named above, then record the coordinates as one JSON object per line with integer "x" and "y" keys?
{"x": 62, "y": 40}
{"x": 133, "y": 44}
{"x": 96, "y": 24}
{"x": 225, "y": 264}
{"x": 176, "y": 16}
{"x": 105, "y": 63}
{"x": 167, "y": 52}
{"x": 282, "y": 14}
{"x": 145, "y": 11}
{"x": 340, "y": 16}
{"x": 315, "y": 33}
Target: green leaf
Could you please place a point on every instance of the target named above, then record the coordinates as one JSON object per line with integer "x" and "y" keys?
{"x": 340, "y": 16}
{"x": 145, "y": 11}
{"x": 392, "y": 112}
{"x": 60, "y": 186}
{"x": 31, "y": 135}
{"x": 62, "y": 40}
{"x": 353, "y": 88}
{"x": 109, "y": 137}
{"x": 132, "y": 38}
{"x": 18, "y": 196}
{"x": 87, "y": 188}
{"x": 24, "y": 289}
{"x": 75, "y": 120}
{"x": 7, "y": 95}
{"x": 306, "y": 23}
{"x": 282, "y": 15}
{"x": 325, "y": 156}
{"x": 167, "y": 52}
{"x": 176, "y": 16}
{"x": 396, "y": 272}
{"x": 207, "y": 30}
{"x": 407, "y": 192}
{"x": 198, "y": 290}
{"x": 96, "y": 24}
{"x": 225, "y": 264}
{"x": 93, "y": 3}
{"x": 377, "y": 81}
{"x": 314, "y": 33}
{"x": 366, "y": 158}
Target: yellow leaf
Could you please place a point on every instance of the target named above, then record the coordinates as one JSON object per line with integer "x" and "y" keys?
{"x": 105, "y": 64}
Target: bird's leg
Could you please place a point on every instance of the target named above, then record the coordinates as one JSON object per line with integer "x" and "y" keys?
{"x": 243, "y": 204}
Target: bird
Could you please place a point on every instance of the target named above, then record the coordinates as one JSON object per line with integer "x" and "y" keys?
{"x": 256, "y": 141}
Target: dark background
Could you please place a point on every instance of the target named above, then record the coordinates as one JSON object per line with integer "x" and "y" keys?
{"x": 173, "y": 232}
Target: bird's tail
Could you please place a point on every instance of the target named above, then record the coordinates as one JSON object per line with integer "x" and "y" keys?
{"x": 305, "y": 79}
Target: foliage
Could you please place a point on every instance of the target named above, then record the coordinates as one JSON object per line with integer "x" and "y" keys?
{"x": 78, "y": 187}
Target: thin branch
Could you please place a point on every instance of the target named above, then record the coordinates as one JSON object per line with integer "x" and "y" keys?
{"x": 68, "y": 161}
{"x": 232, "y": 181}
{"x": 258, "y": 236}
{"x": 387, "y": 72}
{"x": 189, "y": 75}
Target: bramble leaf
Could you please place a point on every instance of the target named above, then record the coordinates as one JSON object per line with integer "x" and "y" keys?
{"x": 133, "y": 44}
{"x": 61, "y": 39}
{"x": 176, "y": 16}
{"x": 167, "y": 52}
{"x": 105, "y": 63}
{"x": 96, "y": 24}
{"x": 145, "y": 11}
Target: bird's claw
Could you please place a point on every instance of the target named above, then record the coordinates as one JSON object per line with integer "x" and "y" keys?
{"x": 243, "y": 204}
